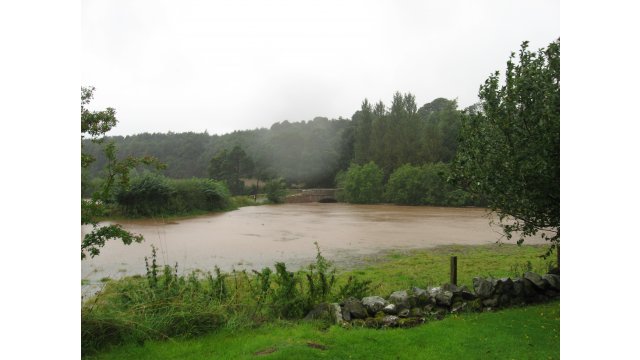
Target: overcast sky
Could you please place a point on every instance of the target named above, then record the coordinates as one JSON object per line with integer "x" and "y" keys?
{"x": 235, "y": 65}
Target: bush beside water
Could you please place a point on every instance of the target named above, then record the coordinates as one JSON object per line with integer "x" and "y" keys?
{"x": 425, "y": 185}
{"x": 407, "y": 185}
{"x": 153, "y": 195}
{"x": 361, "y": 184}
{"x": 276, "y": 190}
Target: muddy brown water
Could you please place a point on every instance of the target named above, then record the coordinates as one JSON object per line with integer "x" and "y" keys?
{"x": 259, "y": 236}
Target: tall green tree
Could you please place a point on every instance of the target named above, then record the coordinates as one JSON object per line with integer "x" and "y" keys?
{"x": 441, "y": 121}
{"x": 231, "y": 166}
{"x": 404, "y": 134}
{"x": 94, "y": 125}
{"x": 363, "y": 120}
{"x": 509, "y": 151}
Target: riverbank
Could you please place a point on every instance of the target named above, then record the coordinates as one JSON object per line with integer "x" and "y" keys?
{"x": 133, "y": 309}
{"x": 236, "y": 202}
{"x": 253, "y": 237}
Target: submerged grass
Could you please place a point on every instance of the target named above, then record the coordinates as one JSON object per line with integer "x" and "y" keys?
{"x": 519, "y": 333}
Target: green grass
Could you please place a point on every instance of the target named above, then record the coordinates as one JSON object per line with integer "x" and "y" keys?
{"x": 248, "y": 200}
{"x": 520, "y": 333}
{"x": 430, "y": 267}
{"x": 132, "y": 310}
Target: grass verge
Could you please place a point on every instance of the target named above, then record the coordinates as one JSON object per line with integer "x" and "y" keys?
{"x": 520, "y": 333}
{"x": 166, "y": 306}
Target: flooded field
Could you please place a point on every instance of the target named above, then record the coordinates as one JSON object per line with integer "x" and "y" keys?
{"x": 255, "y": 237}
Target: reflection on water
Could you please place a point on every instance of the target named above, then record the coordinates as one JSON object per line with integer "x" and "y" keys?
{"x": 255, "y": 237}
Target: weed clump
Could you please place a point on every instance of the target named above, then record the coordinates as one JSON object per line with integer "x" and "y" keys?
{"x": 164, "y": 304}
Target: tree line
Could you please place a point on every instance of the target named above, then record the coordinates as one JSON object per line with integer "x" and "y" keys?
{"x": 305, "y": 154}
{"x": 503, "y": 152}
{"x": 426, "y": 184}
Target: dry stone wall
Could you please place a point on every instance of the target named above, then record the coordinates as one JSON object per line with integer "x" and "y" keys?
{"x": 415, "y": 306}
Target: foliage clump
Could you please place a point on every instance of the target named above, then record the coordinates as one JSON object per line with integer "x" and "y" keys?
{"x": 510, "y": 149}
{"x": 230, "y": 167}
{"x": 276, "y": 190}
{"x": 165, "y": 304}
{"x": 94, "y": 125}
{"x": 152, "y": 194}
{"x": 362, "y": 184}
{"x": 425, "y": 185}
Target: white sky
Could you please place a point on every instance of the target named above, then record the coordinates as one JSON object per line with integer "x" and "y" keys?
{"x": 39, "y": 92}
{"x": 235, "y": 65}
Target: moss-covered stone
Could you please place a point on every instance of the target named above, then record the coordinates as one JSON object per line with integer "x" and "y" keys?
{"x": 374, "y": 323}
{"x": 475, "y": 305}
{"x": 410, "y": 322}
{"x": 358, "y": 323}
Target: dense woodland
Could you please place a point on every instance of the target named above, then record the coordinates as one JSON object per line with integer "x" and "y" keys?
{"x": 305, "y": 154}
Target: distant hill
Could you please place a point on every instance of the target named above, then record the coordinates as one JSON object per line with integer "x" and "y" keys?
{"x": 306, "y": 152}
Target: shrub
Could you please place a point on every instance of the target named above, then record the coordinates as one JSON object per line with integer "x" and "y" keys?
{"x": 152, "y": 194}
{"x": 321, "y": 277}
{"x": 406, "y": 186}
{"x": 276, "y": 190}
{"x": 425, "y": 185}
{"x": 354, "y": 288}
{"x": 363, "y": 184}
{"x": 146, "y": 195}
{"x": 164, "y": 304}
{"x": 197, "y": 194}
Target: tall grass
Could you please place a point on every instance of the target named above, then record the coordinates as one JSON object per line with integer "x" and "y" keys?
{"x": 164, "y": 304}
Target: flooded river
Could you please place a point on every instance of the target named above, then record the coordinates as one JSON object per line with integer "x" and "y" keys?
{"x": 255, "y": 237}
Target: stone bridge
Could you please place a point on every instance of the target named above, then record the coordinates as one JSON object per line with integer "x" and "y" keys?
{"x": 313, "y": 195}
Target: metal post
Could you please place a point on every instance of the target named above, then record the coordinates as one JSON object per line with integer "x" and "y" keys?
{"x": 454, "y": 270}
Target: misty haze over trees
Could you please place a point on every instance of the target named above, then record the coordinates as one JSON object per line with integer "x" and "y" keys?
{"x": 306, "y": 153}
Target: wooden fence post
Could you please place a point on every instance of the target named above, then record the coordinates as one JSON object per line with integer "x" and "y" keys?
{"x": 454, "y": 270}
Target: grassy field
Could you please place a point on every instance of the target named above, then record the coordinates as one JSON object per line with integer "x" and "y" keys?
{"x": 241, "y": 328}
{"x": 521, "y": 333}
{"x": 401, "y": 270}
